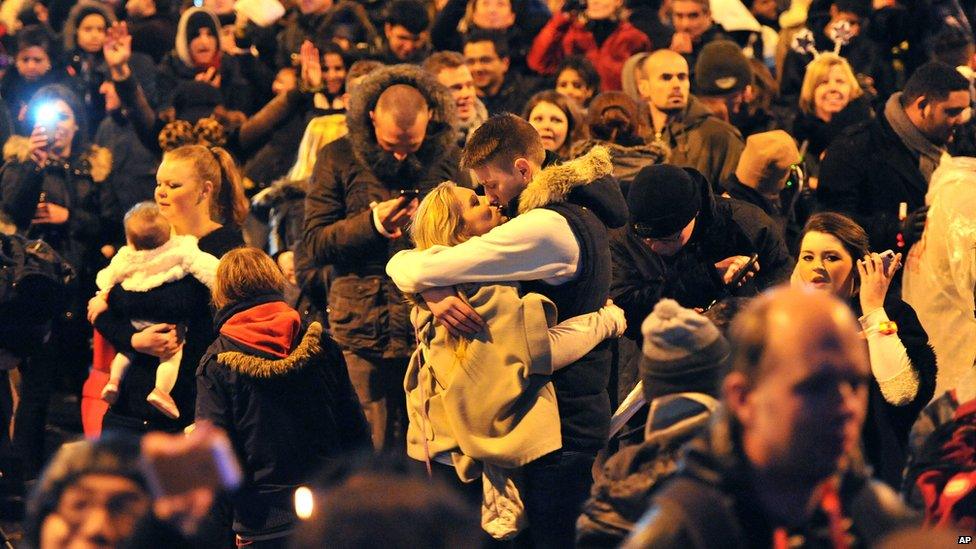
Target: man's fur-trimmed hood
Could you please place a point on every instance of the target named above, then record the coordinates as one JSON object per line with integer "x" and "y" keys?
{"x": 586, "y": 181}
{"x": 95, "y": 161}
{"x": 554, "y": 183}
{"x": 255, "y": 366}
{"x": 441, "y": 130}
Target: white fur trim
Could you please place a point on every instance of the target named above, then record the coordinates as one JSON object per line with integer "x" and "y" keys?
{"x": 144, "y": 270}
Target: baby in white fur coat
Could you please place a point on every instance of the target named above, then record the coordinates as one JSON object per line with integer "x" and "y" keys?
{"x": 151, "y": 258}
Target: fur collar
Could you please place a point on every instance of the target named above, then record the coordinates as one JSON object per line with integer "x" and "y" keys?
{"x": 554, "y": 183}
{"x": 95, "y": 162}
{"x": 143, "y": 270}
{"x": 254, "y": 366}
{"x": 441, "y": 130}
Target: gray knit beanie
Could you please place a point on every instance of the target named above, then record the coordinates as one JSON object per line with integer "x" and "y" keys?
{"x": 683, "y": 352}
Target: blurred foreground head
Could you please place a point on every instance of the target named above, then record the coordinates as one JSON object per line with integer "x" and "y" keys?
{"x": 799, "y": 383}
{"x": 389, "y": 509}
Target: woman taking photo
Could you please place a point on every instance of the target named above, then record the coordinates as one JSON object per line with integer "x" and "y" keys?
{"x": 199, "y": 191}
{"x": 48, "y": 187}
{"x": 834, "y": 257}
{"x": 488, "y": 398}
{"x": 597, "y": 31}
{"x": 557, "y": 120}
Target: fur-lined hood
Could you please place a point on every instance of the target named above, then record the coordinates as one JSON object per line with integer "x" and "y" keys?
{"x": 255, "y": 366}
{"x": 281, "y": 190}
{"x": 95, "y": 162}
{"x": 81, "y": 9}
{"x": 586, "y": 181}
{"x": 182, "y": 41}
{"x": 441, "y": 130}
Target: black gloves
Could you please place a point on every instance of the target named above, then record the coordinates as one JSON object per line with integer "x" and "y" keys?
{"x": 913, "y": 225}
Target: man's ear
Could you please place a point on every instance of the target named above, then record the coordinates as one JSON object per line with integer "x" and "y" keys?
{"x": 644, "y": 88}
{"x": 372, "y": 116}
{"x": 921, "y": 103}
{"x": 524, "y": 167}
{"x": 506, "y": 61}
{"x": 387, "y": 30}
{"x": 735, "y": 392}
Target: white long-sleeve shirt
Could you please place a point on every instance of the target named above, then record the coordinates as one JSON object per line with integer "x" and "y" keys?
{"x": 889, "y": 360}
{"x": 536, "y": 245}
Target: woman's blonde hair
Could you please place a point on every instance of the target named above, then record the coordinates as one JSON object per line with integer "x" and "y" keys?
{"x": 438, "y": 219}
{"x": 246, "y": 273}
{"x": 321, "y": 131}
{"x": 817, "y": 73}
{"x": 229, "y": 205}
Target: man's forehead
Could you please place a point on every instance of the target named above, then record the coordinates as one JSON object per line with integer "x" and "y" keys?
{"x": 824, "y": 346}
{"x": 485, "y": 47}
{"x": 957, "y": 99}
{"x": 686, "y": 7}
{"x": 450, "y": 76}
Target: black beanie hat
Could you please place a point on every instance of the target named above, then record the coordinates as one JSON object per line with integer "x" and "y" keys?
{"x": 663, "y": 199}
{"x": 721, "y": 69}
{"x": 198, "y": 21}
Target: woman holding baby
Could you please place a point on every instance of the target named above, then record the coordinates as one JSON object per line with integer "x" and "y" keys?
{"x": 199, "y": 193}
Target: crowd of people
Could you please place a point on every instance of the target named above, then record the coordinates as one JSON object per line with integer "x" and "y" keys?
{"x": 408, "y": 273}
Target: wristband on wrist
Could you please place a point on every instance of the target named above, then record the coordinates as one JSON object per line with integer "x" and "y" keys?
{"x": 886, "y": 328}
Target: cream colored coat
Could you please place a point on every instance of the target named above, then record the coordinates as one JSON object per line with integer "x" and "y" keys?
{"x": 488, "y": 398}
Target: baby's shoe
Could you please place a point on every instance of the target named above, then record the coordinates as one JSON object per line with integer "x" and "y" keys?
{"x": 164, "y": 403}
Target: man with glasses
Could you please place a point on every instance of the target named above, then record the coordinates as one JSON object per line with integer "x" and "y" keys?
{"x": 689, "y": 245}
{"x": 878, "y": 172}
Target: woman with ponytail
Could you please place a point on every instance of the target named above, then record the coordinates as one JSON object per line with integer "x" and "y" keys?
{"x": 614, "y": 121}
{"x": 199, "y": 191}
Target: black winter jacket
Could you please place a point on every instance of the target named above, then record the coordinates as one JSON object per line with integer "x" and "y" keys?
{"x": 367, "y": 313}
{"x": 186, "y": 303}
{"x": 286, "y": 402}
{"x": 725, "y": 227}
{"x": 865, "y": 174}
{"x": 710, "y": 503}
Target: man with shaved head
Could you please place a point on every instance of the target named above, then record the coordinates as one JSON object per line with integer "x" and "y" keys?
{"x": 781, "y": 466}
{"x": 363, "y": 192}
{"x": 697, "y": 138}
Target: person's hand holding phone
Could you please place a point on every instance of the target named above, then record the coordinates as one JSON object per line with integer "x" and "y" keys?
{"x": 875, "y": 278}
{"x": 731, "y": 270}
{"x": 396, "y": 213}
{"x": 38, "y": 145}
{"x": 184, "y": 473}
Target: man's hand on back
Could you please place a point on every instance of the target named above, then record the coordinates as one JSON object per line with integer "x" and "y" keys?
{"x": 453, "y": 312}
